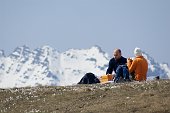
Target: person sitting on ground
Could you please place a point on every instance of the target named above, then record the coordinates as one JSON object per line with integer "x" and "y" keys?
{"x": 139, "y": 66}
{"x": 118, "y": 65}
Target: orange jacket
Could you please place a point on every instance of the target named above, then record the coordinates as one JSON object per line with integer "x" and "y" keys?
{"x": 140, "y": 66}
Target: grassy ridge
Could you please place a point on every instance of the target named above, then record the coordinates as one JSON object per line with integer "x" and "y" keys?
{"x": 134, "y": 97}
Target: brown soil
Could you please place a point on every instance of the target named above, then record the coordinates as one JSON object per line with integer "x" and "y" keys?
{"x": 134, "y": 97}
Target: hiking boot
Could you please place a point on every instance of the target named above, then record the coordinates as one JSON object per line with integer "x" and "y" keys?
{"x": 127, "y": 80}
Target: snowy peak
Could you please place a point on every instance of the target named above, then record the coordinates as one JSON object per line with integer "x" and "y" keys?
{"x": 97, "y": 48}
{"x": 20, "y": 52}
{"x": 45, "y": 51}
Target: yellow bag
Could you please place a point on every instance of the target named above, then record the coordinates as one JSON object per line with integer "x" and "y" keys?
{"x": 106, "y": 78}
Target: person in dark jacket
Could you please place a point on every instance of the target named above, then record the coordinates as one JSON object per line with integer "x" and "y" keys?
{"x": 118, "y": 65}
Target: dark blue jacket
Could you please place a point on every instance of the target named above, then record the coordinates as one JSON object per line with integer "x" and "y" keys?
{"x": 113, "y": 64}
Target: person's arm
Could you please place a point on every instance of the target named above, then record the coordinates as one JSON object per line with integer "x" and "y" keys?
{"x": 132, "y": 66}
{"x": 111, "y": 67}
{"x": 125, "y": 61}
{"x": 129, "y": 62}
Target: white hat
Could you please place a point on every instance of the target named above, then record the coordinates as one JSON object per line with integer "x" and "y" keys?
{"x": 137, "y": 52}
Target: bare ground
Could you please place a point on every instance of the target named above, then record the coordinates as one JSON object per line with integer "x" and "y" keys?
{"x": 133, "y": 97}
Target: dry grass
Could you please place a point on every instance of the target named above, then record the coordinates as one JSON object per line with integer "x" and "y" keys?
{"x": 143, "y": 97}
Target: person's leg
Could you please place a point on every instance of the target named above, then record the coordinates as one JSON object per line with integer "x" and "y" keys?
{"x": 125, "y": 73}
{"x": 118, "y": 73}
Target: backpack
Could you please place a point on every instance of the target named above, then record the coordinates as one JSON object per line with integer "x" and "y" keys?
{"x": 89, "y": 78}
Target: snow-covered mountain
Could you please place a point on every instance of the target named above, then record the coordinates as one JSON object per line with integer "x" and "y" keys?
{"x": 46, "y": 66}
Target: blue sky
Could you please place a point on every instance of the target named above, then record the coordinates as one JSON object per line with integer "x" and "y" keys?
{"x": 65, "y": 24}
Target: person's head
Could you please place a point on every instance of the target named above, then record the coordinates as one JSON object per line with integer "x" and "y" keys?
{"x": 137, "y": 52}
{"x": 117, "y": 54}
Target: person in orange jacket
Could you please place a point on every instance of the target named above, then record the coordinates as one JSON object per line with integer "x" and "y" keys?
{"x": 139, "y": 66}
